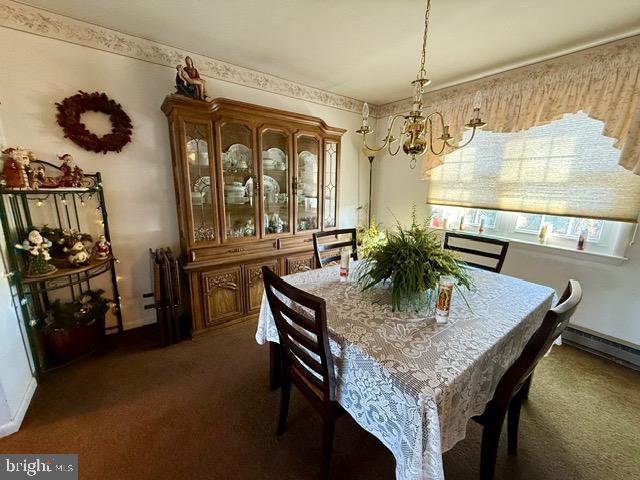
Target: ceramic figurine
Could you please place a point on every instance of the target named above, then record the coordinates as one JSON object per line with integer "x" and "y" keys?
{"x": 101, "y": 248}
{"x": 249, "y": 229}
{"x": 78, "y": 254}
{"x": 188, "y": 81}
{"x": 276, "y": 223}
{"x": 15, "y": 173}
{"x": 72, "y": 175}
{"x": 38, "y": 249}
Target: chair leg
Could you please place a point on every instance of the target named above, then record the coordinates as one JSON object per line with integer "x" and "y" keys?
{"x": 285, "y": 394}
{"x": 275, "y": 365}
{"x": 328, "y": 428}
{"x": 513, "y": 420}
{"x": 489, "y": 449}
{"x": 524, "y": 391}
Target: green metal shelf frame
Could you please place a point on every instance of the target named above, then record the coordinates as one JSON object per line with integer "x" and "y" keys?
{"x": 15, "y": 217}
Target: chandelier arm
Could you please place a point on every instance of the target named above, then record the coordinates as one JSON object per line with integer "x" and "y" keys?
{"x": 387, "y": 139}
{"x": 376, "y": 149}
{"x": 431, "y": 139}
{"x": 441, "y": 151}
{"x": 473, "y": 134}
{"x": 403, "y": 130}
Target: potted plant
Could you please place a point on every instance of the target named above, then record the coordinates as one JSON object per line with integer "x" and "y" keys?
{"x": 412, "y": 260}
{"x": 74, "y": 329}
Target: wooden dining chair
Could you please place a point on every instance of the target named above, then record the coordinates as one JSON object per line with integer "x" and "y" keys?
{"x": 477, "y": 246}
{"x": 306, "y": 357}
{"x": 334, "y": 246}
{"x": 514, "y": 385}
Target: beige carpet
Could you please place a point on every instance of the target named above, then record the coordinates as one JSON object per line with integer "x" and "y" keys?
{"x": 202, "y": 410}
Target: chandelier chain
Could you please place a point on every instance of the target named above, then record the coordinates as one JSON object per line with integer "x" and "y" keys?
{"x": 423, "y": 59}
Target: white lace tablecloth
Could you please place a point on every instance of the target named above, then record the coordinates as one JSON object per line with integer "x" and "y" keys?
{"x": 411, "y": 383}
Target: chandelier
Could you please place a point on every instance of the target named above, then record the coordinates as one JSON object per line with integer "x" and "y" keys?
{"x": 418, "y": 130}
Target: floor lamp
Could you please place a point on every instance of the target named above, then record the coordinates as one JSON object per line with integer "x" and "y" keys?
{"x": 370, "y": 154}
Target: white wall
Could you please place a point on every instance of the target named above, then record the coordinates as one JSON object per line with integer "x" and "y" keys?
{"x": 16, "y": 381}
{"x": 138, "y": 184}
{"x": 611, "y": 303}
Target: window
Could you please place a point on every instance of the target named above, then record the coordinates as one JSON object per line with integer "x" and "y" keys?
{"x": 563, "y": 232}
{"x": 564, "y": 175}
{"x": 566, "y": 226}
{"x": 566, "y": 168}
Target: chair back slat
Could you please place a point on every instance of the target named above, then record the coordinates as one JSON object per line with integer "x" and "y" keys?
{"x": 303, "y": 356}
{"x": 302, "y": 329}
{"x": 301, "y": 320}
{"x": 334, "y": 245}
{"x": 304, "y": 340}
{"x": 554, "y": 323}
{"x": 322, "y": 247}
{"x": 497, "y": 259}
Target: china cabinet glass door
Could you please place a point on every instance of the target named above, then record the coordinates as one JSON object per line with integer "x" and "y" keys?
{"x": 306, "y": 182}
{"x": 239, "y": 188}
{"x": 275, "y": 181}
{"x": 203, "y": 211}
{"x": 330, "y": 185}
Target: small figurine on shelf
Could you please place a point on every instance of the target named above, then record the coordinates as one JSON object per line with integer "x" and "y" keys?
{"x": 78, "y": 254}
{"x": 188, "y": 81}
{"x": 38, "y": 248}
{"x": 15, "y": 173}
{"x": 249, "y": 229}
{"x": 101, "y": 248}
{"x": 72, "y": 175}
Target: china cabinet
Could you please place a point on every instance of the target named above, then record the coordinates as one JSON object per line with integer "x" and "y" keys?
{"x": 252, "y": 185}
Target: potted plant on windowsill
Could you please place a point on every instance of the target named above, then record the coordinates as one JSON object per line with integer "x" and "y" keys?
{"x": 74, "y": 329}
{"x": 412, "y": 260}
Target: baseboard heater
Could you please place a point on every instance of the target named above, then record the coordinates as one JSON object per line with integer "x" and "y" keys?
{"x": 606, "y": 347}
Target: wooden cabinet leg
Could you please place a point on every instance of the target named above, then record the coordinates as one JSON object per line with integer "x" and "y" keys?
{"x": 275, "y": 365}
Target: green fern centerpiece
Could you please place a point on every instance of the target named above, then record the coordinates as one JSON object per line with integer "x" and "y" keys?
{"x": 413, "y": 260}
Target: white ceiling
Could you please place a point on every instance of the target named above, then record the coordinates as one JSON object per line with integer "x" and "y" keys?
{"x": 365, "y": 49}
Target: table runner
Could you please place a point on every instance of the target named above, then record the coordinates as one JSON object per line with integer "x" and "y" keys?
{"x": 410, "y": 382}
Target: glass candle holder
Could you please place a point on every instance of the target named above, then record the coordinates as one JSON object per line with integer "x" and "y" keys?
{"x": 443, "y": 303}
{"x": 345, "y": 255}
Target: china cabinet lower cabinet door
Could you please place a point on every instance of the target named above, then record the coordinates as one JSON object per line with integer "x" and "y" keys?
{"x": 222, "y": 295}
{"x": 254, "y": 285}
{"x": 300, "y": 263}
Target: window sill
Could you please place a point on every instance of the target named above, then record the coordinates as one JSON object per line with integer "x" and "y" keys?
{"x": 584, "y": 255}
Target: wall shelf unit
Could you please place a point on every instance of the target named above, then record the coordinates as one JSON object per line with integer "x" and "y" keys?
{"x": 82, "y": 209}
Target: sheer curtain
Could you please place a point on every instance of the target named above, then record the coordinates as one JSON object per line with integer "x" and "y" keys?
{"x": 566, "y": 167}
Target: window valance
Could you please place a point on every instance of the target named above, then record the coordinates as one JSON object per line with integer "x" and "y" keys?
{"x": 603, "y": 82}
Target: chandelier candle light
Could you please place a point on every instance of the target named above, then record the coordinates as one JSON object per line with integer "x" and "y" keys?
{"x": 417, "y": 128}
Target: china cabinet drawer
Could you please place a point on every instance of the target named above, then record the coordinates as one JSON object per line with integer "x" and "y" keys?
{"x": 295, "y": 242}
{"x": 222, "y": 292}
{"x": 237, "y": 251}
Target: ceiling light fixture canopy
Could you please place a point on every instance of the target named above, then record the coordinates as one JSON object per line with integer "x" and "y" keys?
{"x": 418, "y": 129}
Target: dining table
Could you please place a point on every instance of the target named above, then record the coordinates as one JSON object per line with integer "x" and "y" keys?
{"x": 411, "y": 382}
